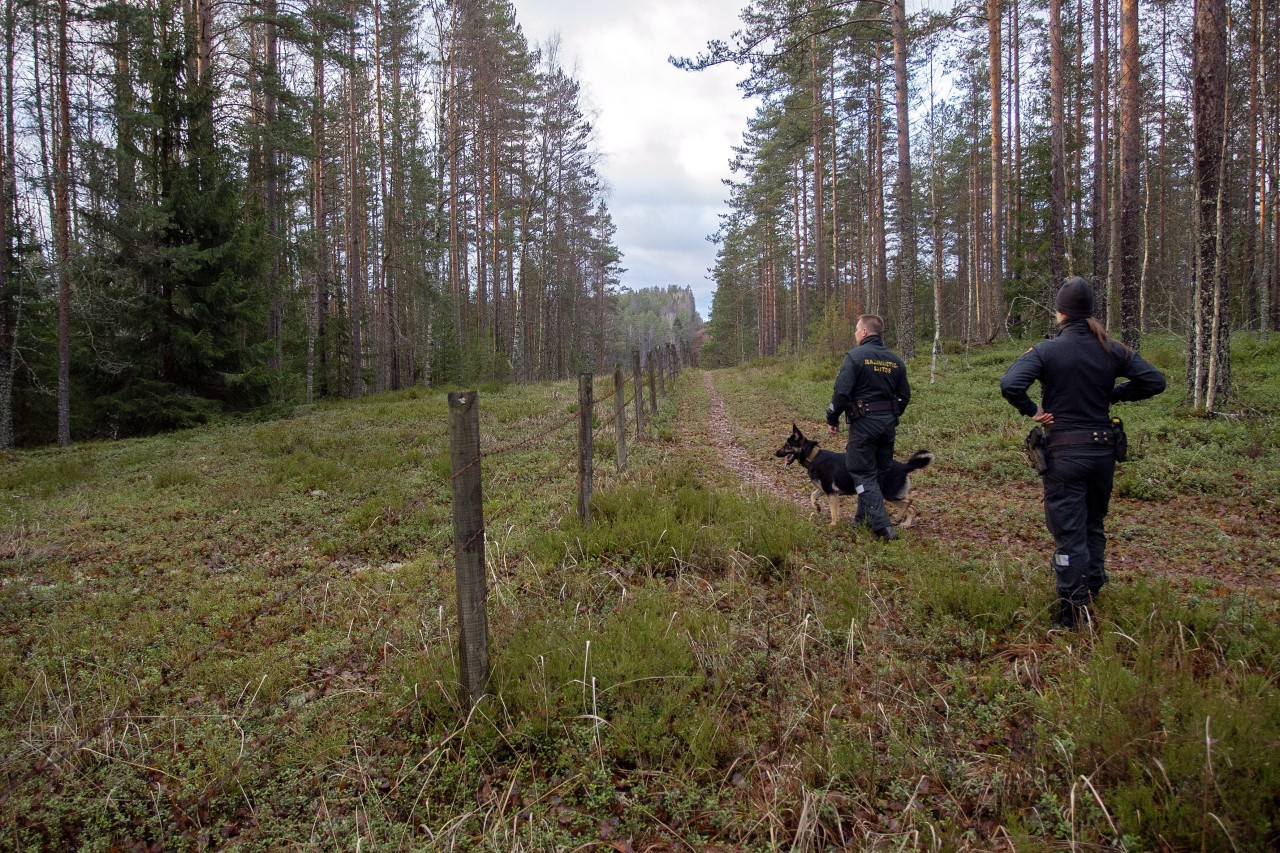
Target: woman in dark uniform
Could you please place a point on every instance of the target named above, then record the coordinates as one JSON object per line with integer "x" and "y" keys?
{"x": 1077, "y": 371}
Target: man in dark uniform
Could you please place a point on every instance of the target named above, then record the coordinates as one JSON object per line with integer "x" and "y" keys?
{"x": 871, "y": 391}
{"x": 1077, "y": 371}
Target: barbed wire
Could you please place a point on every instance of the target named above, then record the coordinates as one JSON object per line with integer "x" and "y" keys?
{"x": 277, "y": 601}
{"x": 530, "y": 439}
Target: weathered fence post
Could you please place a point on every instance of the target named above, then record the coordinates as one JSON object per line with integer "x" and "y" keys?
{"x": 585, "y": 412}
{"x": 635, "y": 369}
{"x": 620, "y": 415}
{"x": 653, "y": 395}
{"x": 468, "y": 545}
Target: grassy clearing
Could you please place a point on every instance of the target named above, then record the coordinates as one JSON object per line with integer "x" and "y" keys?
{"x": 244, "y": 636}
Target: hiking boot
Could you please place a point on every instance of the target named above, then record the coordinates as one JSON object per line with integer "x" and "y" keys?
{"x": 1065, "y": 615}
{"x": 1071, "y": 616}
{"x": 887, "y": 534}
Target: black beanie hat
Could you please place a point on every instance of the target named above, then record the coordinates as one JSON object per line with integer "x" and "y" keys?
{"x": 1075, "y": 299}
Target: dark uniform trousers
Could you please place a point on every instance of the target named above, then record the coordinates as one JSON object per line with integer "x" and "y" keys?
{"x": 867, "y": 455}
{"x": 1077, "y": 493}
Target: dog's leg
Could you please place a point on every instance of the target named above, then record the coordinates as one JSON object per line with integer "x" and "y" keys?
{"x": 813, "y": 500}
{"x": 910, "y": 514}
{"x": 834, "y": 501}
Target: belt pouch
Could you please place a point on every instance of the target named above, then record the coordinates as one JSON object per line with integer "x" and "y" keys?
{"x": 1036, "y": 450}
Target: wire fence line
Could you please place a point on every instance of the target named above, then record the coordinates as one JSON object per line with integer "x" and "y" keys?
{"x": 473, "y": 673}
{"x": 273, "y": 604}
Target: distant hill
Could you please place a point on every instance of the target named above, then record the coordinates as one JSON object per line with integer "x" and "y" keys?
{"x": 652, "y": 317}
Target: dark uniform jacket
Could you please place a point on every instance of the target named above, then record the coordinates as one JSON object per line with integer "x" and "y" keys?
{"x": 1078, "y": 378}
{"x": 872, "y": 373}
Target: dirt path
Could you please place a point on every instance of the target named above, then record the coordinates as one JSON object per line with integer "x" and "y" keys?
{"x": 1228, "y": 545}
{"x": 737, "y": 458}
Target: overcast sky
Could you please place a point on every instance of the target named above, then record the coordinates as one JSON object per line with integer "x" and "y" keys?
{"x": 666, "y": 135}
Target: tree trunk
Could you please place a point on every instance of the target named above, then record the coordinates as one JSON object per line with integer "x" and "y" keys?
{"x": 453, "y": 148}
{"x": 972, "y": 222}
{"x": 1218, "y": 386}
{"x": 1015, "y": 132}
{"x": 1075, "y": 190}
{"x": 1130, "y": 163}
{"x": 835, "y": 179}
{"x": 1267, "y": 190}
{"x": 817, "y": 112}
{"x": 936, "y": 349}
{"x": 62, "y": 227}
{"x": 1252, "y": 265}
{"x": 906, "y": 199}
{"x": 317, "y": 337}
{"x": 1146, "y": 242}
{"x": 1208, "y": 95}
{"x": 355, "y": 278}
{"x": 204, "y": 38}
{"x": 797, "y": 268}
{"x": 1101, "y": 228}
{"x": 8, "y": 240}
{"x": 806, "y": 290}
{"x": 275, "y": 215}
{"x": 1162, "y": 263}
{"x": 1058, "y": 177}
{"x": 881, "y": 259}
{"x": 996, "y": 283}
{"x": 388, "y": 231}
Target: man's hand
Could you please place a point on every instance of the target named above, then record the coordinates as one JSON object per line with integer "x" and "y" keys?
{"x": 1042, "y": 417}
{"x": 832, "y": 430}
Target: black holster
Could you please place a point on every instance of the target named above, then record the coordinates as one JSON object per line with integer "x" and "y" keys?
{"x": 1036, "y": 449}
{"x": 1121, "y": 440}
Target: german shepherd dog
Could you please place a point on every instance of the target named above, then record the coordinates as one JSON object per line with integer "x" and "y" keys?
{"x": 828, "y": 472}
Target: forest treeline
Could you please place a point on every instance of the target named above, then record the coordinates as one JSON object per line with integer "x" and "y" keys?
{"x": 213, "y": 207}
{"x": 949, "y": 168}
{"x": 210, "y": 207}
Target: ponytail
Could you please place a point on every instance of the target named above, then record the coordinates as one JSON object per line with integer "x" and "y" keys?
{"x": 1104, "y": 339}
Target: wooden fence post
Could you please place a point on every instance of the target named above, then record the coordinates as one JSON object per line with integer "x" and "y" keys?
{"x": 585, "y": 413}
{"x": 468, "y": 545}
{"x": 620, "y": 415}
{"x": 660, "y": 358}
{"x": 635, "y": 369}
{"x": 653, "y": 395}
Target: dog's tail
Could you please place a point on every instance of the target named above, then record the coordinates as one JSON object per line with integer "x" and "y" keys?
{"x": 919, "y": 459}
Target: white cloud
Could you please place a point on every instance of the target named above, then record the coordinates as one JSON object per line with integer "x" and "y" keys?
{"x": 666, "y": 135}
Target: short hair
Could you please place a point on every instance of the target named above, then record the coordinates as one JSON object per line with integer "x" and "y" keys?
{"x": 873, "y": 323}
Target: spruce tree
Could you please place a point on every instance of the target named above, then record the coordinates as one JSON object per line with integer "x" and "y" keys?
{"x": 184, "y": 291}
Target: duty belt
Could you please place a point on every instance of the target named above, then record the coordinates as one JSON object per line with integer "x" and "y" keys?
{"x": 879, "y": 407}
{"x": 1081, "y": 436}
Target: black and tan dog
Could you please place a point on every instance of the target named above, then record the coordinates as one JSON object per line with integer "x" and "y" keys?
{"x": 828, "y": 472}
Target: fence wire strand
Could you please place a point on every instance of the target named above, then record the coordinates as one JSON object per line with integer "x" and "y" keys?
{"x": 275, "y": 603}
